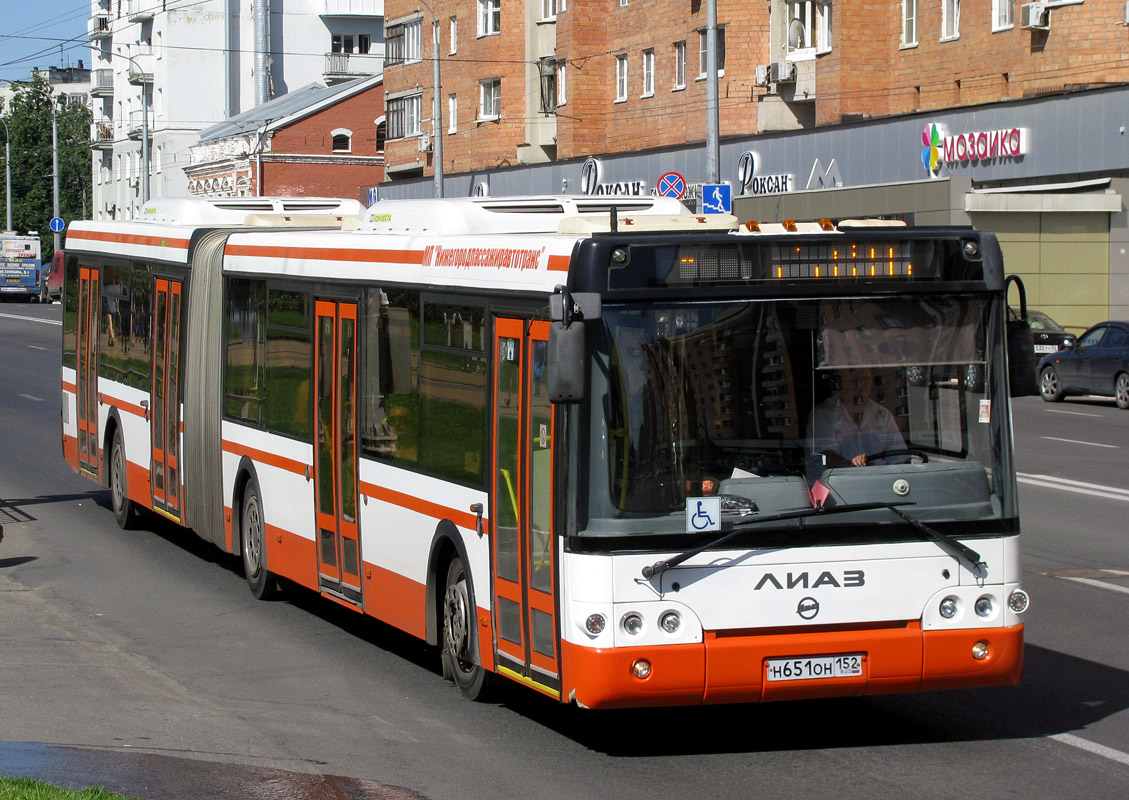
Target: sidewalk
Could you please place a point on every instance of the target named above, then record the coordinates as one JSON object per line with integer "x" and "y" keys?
{"x": 75, "y": 710}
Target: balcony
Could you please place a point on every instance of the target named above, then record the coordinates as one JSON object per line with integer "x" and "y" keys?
{"x": 98, "y": 27}
{"x": 137, "y": 123}
{"x": 102, "y": 83}
{"x": 353, "y": 8}
{"x": 141, "y": 69}
{"x": 102, "y": 135}
{"x": 141, "y": 10}
{"x": 347, "y": 66}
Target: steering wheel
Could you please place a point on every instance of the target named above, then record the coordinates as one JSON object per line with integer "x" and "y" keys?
{"x": 902, "y": 452}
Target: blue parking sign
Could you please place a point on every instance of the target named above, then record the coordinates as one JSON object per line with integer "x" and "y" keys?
{"x": 717, "y": 198}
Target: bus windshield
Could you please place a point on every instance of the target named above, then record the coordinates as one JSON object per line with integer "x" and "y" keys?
{"x": 780, "y": 404}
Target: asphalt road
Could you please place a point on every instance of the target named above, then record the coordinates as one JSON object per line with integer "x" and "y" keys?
{"x": 140, "y": 661}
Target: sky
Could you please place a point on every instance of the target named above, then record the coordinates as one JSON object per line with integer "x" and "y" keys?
{"x": 32, "y": 30}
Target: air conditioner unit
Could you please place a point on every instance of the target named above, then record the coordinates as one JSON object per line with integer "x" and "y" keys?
{"x": 760, "y": 75}
{"x": 425, "y": 142}
{"x": 781, "y": 72}
{"x": 1033, "y": 17}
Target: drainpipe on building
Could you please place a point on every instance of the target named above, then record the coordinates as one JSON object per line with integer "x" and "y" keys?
{"x": 262, "y": 51}
{"x": 228, "y": 54}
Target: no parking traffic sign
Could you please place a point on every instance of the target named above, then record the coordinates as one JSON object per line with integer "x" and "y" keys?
{"x": 672, "y": 185}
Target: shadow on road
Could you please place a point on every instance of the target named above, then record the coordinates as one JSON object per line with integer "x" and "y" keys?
{"x": 1058, "y": 694}
{"x": 13, "y": 510}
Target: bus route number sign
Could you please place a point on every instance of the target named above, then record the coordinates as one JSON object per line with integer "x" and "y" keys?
{"x": 813, "y": 667}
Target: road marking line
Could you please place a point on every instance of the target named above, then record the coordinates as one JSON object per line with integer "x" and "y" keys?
{"x": 32, "y": 397}
{"x": 37, "y": 347}
{"x": 1113, "y": 587}
{"x": 1091, "y": 747}
{"x": 1078, "y": 487}
{"x": 1075, "y": 441}
{"x": 32, "y": 319}
{"x": 1075, "y": 413}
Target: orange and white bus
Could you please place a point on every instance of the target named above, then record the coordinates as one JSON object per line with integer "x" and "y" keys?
{"x": 619, "y": 453}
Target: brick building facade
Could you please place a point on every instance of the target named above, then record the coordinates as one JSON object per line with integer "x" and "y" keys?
{"x": 315, "y": 141}
{"x": 591, "y": 77}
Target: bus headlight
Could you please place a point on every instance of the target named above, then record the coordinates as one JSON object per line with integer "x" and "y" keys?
{"x": 948, "y": 607}
{"x": 641, "y": 668}
{"x": 984, "y": 606}
{"x": 670, "y": 621}
{"x": 1018, "y": 601}
{"x": 633, "y": 624}
{"x": 980, "y": 650}
{"x": 595, "y": 624}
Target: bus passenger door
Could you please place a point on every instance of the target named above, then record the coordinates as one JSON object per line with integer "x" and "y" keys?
{"x": 165, "y": 413}
{"x": 335, "y": 458}
{"x": 86, "y": 378}
{"x": 525, "y": 583}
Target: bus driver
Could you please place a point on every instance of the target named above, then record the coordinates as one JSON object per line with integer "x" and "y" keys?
{"x": 848, "y": 427}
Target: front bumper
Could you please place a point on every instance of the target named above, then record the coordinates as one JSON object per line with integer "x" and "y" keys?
{"x": 731, "y": 667}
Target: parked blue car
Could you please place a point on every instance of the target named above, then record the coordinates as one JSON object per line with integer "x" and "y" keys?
{"x": 1097, "y": 363}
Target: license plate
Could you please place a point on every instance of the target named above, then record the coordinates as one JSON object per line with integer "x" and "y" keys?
{"x": 1045, "y": 348}
{"x": 813, "y": 667}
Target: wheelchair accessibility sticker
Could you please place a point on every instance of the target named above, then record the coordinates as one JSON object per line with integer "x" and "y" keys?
{"x": 703, "y": 514}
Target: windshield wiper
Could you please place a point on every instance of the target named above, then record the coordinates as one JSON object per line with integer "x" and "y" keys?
{"x": 962, "y": 552}
{"x": 959, "y": 550}
{"x": 659, "y": 567}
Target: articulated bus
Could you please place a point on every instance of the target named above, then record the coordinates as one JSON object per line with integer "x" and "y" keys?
{"x": 619, "y": 453}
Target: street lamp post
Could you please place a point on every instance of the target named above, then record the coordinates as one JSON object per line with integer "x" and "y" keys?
{"x": 7, "y": 175}
{"x": 54, "y": 161}
{"x": 437, "y": 104}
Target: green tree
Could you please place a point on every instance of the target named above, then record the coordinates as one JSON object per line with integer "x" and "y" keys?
{"x": 28, "y": 117}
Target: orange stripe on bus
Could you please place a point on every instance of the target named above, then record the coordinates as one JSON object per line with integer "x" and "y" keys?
{"x": 327, "y": 254}
{"x": 559, "y": 263}
{"x": 263, "y": 457}
{"x": 122, "y": 405}
{"x": 464, "y": 519}
{"x": 69, "y": 387}
{"x": 128, "y": 238}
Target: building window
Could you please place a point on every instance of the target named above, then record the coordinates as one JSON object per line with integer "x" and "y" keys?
{"x": 404, "y": 116}
{"x": 452, "y": 113}
{"x": 680, "y": 65}
{"x": 359, "y": 43}
{"x": 909, "y": 22}
{"x": 950, "y": 19}
{"x": 562, "y": 92}
{"x": 622, "y": 3}
{"x": 620, "y": 78}
{"x": 402, "y": 43}
{"x": 702, "y": 52}
{"x": 489, "y": 17}
{"x": 1002, "y": 18}
{"x": 550, "y": 9}
{"x": 342, "y": 140}
{"x": 809, "y": 28}
{"x": 548, "y": 67}
{"x": 490, "y": 99}
{"x": 454, "y": 31}
{"x": 648, "y": 73}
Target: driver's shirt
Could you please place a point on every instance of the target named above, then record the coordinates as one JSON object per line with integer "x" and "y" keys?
{"x": 832, "y": 427}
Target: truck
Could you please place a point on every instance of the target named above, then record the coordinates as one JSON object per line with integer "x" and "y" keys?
{"x": 21, "y": 268}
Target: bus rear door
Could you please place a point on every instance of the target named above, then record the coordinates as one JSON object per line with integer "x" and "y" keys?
{"x": 86, "y": 378}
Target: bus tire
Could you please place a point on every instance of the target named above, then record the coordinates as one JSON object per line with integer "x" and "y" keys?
{"x": 458, "y": 635}
{"x": 125, "y": 510}
{"x": 253, "y": 544}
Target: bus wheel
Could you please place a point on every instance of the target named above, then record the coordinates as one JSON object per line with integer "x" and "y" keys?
{"x": 458, "y": 635}
{"x": 125, "y": 511}
{"x": 252, "y": 532}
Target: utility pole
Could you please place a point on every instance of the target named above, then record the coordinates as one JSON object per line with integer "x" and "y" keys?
{"x": 54, "y": 166}
{"x": 436, "y": 106}
{"x": 713, "y": 145}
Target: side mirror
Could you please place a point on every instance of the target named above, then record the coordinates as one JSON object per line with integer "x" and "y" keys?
{"x": 567, "y": 355}
{"x": 1020, "y": 347}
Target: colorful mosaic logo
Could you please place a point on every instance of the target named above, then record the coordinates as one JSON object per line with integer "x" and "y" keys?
{"x": 931, "y": 152}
